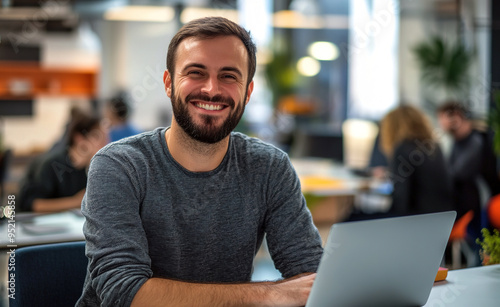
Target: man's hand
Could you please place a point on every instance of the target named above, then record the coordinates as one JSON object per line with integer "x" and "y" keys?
{"x": 78, "y": 197}
{"x": 292, "y": 291}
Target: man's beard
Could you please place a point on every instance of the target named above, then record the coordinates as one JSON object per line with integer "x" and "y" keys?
{"x": 208, "y": 132}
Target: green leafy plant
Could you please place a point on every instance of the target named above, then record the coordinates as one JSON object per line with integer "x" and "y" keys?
{"x": 445, "y": 66}
{"x": 282, "y": 76}
{"x": 490, "y": 246}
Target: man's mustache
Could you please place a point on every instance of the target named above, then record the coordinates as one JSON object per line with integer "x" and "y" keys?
{"x": 215, "y": 99}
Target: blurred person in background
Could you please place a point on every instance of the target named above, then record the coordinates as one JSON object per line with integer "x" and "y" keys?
{"x": 74, "y": 112}
{"x": 471, "y": 161}
{"x": 416, "y": 164}
{"x": 117, "y": 112}
{"x": 56, "y": 180}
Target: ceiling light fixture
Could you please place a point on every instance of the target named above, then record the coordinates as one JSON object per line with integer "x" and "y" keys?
{"x": 140, "y": 13}
{"x": 191, "y": 13}
{"x": 323, "y": 51}
{"x": 307, "y": 66}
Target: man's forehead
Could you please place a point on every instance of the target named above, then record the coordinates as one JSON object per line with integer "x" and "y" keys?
{"x": 229, "y": 45}
{"x": 229, "y": 50}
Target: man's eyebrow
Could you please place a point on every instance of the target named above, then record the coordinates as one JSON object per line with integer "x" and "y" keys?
{"x": 195, "y": 65}
{"x": 233, "y": 69}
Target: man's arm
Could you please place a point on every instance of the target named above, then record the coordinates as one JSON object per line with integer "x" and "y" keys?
{"x": 293, "y": 240}
{"x": 58, "y": 204}
{"x": 120, "y": 266}
{"x": 165, "y": 292}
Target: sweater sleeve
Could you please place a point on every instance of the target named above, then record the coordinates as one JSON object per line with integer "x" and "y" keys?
{"x": 293, "y": 240}
{"x": 117, "y": 246}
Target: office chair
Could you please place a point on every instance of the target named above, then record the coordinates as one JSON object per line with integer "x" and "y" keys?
{"x": 458, "y": 242}
{"x": 494, "y": 211}
{"x": 49, "y": 275}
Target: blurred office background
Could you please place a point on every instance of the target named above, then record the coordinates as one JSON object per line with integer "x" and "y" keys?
{"x": 327, "y": 70}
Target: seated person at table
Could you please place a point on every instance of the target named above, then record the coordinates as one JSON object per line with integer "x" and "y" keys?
{"x": 175, "y": 216}
{"x": 416, "y": 163}
{"x": 74, "y": 112}
{"x": 56, "y": 180}
{"x": 117, "y": 112}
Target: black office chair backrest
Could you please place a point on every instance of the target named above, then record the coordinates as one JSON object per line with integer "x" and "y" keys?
{"x": 49, "y": 275}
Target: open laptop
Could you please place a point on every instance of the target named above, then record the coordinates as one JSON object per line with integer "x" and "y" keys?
{"x": 383, "y": 262}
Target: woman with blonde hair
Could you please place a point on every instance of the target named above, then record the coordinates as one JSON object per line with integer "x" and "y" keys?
{"x": 416, "y": 163}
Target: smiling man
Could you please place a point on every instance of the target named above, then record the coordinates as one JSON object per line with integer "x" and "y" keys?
{"x": 175, "y": 216}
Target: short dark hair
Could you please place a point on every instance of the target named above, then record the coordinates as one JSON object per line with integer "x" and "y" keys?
{"x": 210, "y": 27}
{"x": 83, "y": 123}
{"x": 119, "y": 106}
{"x": 454, "y": 108}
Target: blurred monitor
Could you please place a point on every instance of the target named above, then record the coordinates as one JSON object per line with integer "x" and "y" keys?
{"x": 16, "y": 107}
{"x": 318, "y": 143}
{"x": 377, "y": 158}
{"x": 18, "y": 52}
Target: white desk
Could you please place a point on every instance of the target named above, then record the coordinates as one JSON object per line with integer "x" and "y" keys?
{"x": 33, "y": 229}
{"x": 479, "y": 286}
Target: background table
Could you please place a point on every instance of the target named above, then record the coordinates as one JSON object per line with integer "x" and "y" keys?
{"x": 333, "y": 190}
{"x": 478, "y": 286}
{"x": 33, "y": 229}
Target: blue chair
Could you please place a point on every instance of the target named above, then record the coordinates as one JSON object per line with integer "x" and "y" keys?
{"x": 49, "y": 275}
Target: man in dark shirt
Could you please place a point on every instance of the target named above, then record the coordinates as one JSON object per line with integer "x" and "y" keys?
{"x": 471, "y": 160}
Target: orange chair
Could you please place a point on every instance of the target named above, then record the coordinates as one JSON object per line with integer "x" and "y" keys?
{"x": 458, "y": 243}
{"x": 494, "y": 211}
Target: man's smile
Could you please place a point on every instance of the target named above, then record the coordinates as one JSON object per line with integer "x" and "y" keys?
{"x": 209, "y": 106}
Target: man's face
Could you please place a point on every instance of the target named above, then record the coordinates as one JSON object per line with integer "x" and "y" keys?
{"x": 209, "y": 89}
{"x": 86, "y": 146}
{"x": 449, "y": 122}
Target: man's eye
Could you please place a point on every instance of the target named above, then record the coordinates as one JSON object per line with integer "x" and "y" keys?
{"x": 194, "y": 72}
{"x": 229, "y": 77}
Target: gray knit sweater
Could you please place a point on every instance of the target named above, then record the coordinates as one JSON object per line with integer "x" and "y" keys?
{"x": 147, "y": 216}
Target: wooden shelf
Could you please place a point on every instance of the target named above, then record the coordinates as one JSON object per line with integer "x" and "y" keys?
{"x": 19, "y": 80}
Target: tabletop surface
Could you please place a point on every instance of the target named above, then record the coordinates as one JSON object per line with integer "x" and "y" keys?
{"x": 478, "y": 286}
{"x": 33, "y": 229}
{"x": 324, "y": 177}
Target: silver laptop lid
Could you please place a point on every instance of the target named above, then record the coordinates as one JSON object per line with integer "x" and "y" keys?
{"x": 384, "y": 262}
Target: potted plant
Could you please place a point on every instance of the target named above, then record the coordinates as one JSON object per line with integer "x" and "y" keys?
{"x": 444, "y": 69}
{"x": 490, "y": 246}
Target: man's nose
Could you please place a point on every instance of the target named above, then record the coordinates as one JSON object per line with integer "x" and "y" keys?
{"x": 211, "y": 86}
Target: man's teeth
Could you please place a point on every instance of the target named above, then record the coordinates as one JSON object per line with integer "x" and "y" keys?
{"x": 210, "y": 107}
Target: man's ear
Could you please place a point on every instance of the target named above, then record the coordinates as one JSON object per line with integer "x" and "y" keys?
{"x": 167, "y": 80}
{"x": 249, "y": 92}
